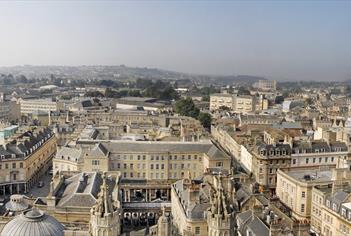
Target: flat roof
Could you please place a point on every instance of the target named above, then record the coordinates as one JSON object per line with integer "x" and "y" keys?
{"x": 310, "y": 175}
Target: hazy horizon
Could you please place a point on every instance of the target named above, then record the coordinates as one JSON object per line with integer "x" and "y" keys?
{"x": 306, "y": 40}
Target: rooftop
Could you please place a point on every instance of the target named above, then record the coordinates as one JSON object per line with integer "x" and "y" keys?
{"x": 310, "y": 175}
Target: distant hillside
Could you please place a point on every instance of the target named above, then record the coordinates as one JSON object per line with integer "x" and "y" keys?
{"x": 118, "y": 72}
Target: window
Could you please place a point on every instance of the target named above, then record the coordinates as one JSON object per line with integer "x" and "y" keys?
{"x": 131, "y": 165}
{"x": 162, "y": 166}
{"x": 314, "y": 160}
{"x": 14, "y": 165}
{"x": 334, "y": 206}
{"x": 303, "y": 194}
{"x": 157, "y": 166}
{"x": 326, "y": 159}
{"x": 320, "y": 160}
{"x": 219, "y": 164}
{"x": 95, "y": 162}
{"x": 332, "y": 159}
{"x": 197, "y": 230}
{"x": 343, "y": 212}
{"x": 302, "y": 207}
{"x": 294, "y": 161}
{"x": 152, "y": 166}
{"x": 118, "y": 165}
{"x": 125, "y": 166}
{"x": 307, "y": 160}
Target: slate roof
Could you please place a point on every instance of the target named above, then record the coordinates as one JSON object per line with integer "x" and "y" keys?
{"x": 20, "y": 149}
{"x": 247, "y": 222}
{"x": 122, "y": 146}
{"x": 192, "y": 210}
{"x": 81, "y": 190}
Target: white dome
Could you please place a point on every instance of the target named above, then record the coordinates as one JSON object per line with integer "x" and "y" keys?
{"x": 33, "y": 222}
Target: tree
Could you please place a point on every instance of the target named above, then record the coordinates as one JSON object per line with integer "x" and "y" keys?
{"x": 186, "y": 107}
{"x": 205, "y": 119}
{"x": 224, "y": 108}
{"x": 111, "y": 93}
{"x": 243, "y": 91}
{"x": 22, "y": 79}
{"x": 134, "y": 93}
{"x": 205, "y": 98}
{"x": 107, "y": 83}
{"x": 169, "y": 94}
{"x": 143, "y": 83}
{"x": 94, "y": 94}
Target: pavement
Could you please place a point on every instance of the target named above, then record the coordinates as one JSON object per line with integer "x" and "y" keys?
{"x": 43, "y": 191}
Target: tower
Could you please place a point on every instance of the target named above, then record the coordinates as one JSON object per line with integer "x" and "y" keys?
{"x": 219, "y": 215}
{"x": 104, "y": 219}
{"x": 164, "y": 224}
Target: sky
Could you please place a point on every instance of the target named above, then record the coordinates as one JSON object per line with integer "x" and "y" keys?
{"x": 283, "y": 40}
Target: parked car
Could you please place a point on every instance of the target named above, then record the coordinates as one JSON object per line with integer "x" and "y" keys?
{"x": 40, "y": 184}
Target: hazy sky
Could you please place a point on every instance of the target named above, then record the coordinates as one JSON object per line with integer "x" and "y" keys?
{"x": 299, "y": 40}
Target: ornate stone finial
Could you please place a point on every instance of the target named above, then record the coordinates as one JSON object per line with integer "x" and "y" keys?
{"x": 163, "y": 210}
{"x": 103, "y": 205}
{"x": 189, "y": 174}
{"x": 52, "y": 188}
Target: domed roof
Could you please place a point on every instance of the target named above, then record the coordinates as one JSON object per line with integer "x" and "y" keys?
{"x": 33, "y": 222}
{"x": 16, "y": 203}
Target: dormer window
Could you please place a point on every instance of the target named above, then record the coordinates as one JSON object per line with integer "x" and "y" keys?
{"x": 343, "y": 212}
{"x": 334, "y": 206}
